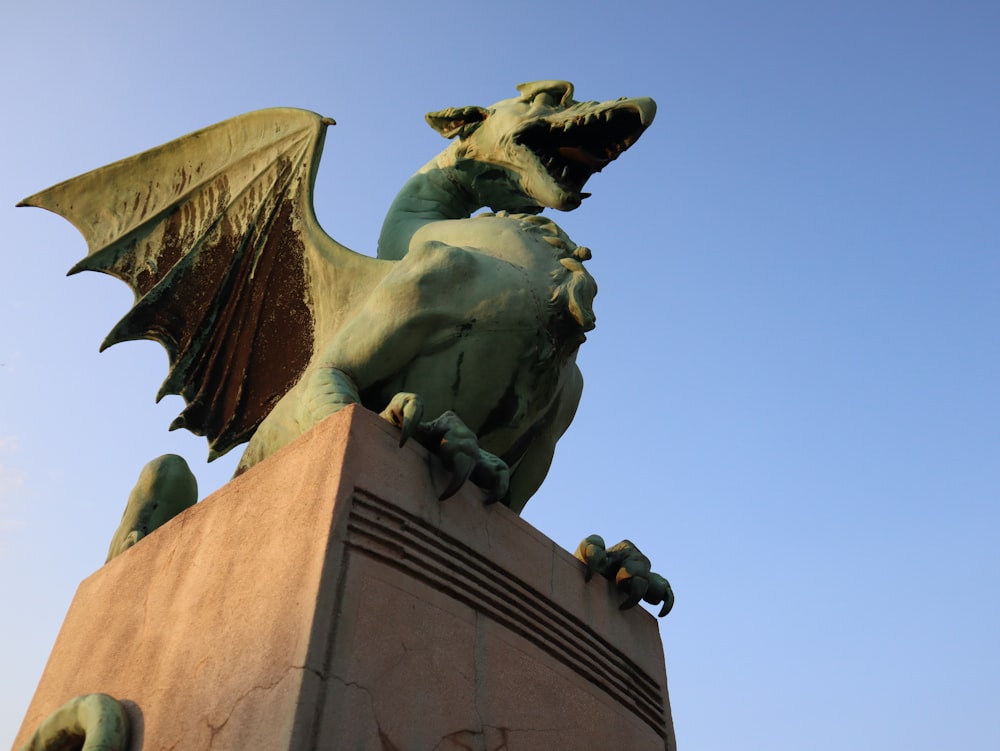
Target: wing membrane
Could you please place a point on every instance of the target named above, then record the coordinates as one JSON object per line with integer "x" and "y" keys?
{"x": 214, "y": 232}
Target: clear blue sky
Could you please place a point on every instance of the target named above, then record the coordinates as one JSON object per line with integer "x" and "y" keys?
{"x": 791, "y": 399}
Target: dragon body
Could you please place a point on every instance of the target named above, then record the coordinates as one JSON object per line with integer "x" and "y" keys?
{"x": 271, "y": 325}
{"x": 488, "y": 332}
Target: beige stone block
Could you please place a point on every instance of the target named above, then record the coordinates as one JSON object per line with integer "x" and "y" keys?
{"x": 327, "y": 600}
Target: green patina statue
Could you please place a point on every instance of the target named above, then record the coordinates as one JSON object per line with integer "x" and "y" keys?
{"x": 271, "y": 325}
{"x": 93, "y": 722}
{"x": 165, "y": 487}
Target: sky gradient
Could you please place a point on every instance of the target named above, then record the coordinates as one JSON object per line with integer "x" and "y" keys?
{"x": 791, "y": 394}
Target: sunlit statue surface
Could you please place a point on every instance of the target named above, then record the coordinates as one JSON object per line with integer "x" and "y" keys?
{"x": 271, "y": 325}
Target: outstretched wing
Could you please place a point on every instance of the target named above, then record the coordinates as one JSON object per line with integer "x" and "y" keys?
{"x": 216, "y": 235}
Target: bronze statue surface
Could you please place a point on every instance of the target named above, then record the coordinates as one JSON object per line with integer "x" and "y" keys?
{"x": 271, "y": 325}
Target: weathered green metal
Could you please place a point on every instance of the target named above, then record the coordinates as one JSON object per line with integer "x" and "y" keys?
{"x": 271, "y": 325}
{"x": 165, "y": 488}
{"x": 93, "y": 722}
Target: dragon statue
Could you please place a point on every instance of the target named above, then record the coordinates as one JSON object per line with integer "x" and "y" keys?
{"x": 92, "y": 722}
{"x": 271, "y": 325}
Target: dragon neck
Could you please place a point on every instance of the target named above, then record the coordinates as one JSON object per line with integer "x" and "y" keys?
{"x": 447, "y": 187}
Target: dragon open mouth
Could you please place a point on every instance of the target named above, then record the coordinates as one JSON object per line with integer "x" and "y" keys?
{"x": 572, "y": 149}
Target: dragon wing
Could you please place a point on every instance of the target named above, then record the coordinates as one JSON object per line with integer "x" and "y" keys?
{"x": 216, "y": 235}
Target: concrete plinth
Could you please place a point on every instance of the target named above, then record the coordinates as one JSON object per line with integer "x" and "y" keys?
{"x": 327, "y": 600}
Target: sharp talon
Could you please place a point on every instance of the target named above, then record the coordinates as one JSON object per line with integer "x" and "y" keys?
{"x": 500, "y": 485}
{"x": 668, "y": 605}
{"x": 461, "y": 469}
{"x": 413, "y": 413}
{"x": 636, "y": 587}
{"x": 406, "y": 431}
{"x": 597, "y": 560}
{"x": 405, "y": 411}
{"x": 664, "y": 593}
{"x": 592, "y": 553}
{"x": 457, "y": 481}
{"x": 493, "y": 476}
{"x": 628, "y": 568}
{"x": 659, "y": 591}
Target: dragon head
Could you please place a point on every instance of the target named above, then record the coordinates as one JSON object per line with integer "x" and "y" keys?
{"x": 538, "y": 150}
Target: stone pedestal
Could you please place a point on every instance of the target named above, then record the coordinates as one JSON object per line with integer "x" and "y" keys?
{"x": 327, "y": 600}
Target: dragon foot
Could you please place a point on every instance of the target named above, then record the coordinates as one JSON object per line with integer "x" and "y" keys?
{"x": 165, "y": 488}
{"x": 625, "y": 565}
{"x": 451, "y": 440}
{"x": 93, "y": 722}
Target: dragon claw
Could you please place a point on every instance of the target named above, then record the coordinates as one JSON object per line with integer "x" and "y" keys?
{"x": 462, "y": 465}
{"x": 493, "y": 474}
{"x": 635, "y": 587}
{"x": 629, "y": 569}
{"x": 593, "y": 554}
{"x": 456, "y": 445}
{"x": 660, "y": 588}
{"x": 405, "y": 411}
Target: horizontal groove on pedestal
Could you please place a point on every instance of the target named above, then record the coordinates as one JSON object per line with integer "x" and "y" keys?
{"x": 408, "y": 543}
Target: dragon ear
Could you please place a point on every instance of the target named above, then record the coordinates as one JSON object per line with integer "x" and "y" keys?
{"x": 457, "y": 121}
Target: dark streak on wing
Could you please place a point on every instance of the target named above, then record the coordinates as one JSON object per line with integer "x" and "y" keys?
{"x": 207, "y": 230}
{"x": 258, "y": 345}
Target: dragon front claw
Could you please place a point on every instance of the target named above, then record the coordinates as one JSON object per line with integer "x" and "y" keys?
{"x": 456, "y": 444}
{"x": 626, "y": 565}
{"x": 493, "y": 475}
{"x": 405, "y": 411}
{"x": 451, "y": 440}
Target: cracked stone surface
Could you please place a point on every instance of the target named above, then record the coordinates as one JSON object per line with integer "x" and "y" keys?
{"x": 313, "y": 604}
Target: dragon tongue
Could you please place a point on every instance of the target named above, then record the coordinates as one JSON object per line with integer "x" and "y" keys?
{"x": 576, "y": 154}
